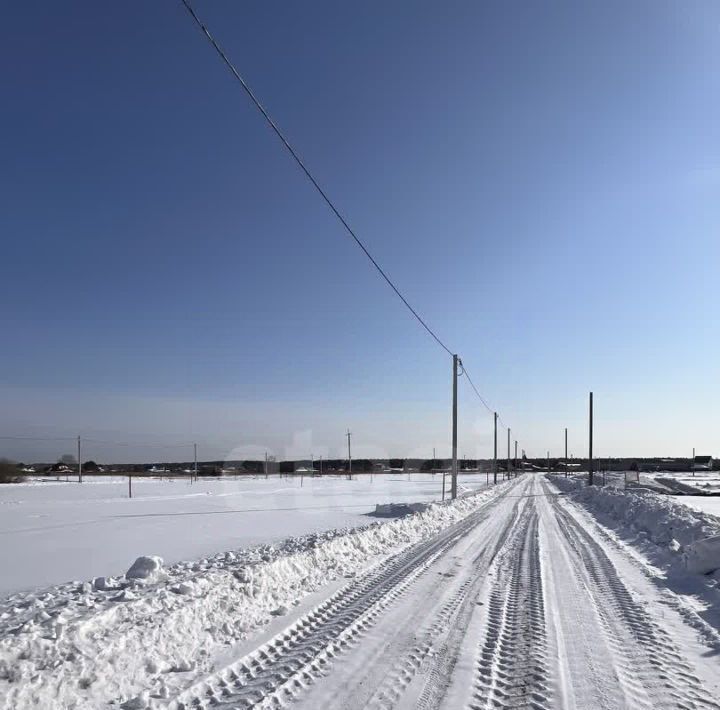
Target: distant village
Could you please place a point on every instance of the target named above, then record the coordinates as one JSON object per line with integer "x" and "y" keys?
{"x": 66, "y": 466}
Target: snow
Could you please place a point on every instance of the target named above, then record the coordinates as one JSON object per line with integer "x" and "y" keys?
{"x": 708, "y": 504}
{"x": 516, "y": 596}
{"x": 702, "y": 556}
{"x": 81, "y": 646}
{"x": 663, "y": 519}
{"x": 147, "y": 568}
{"x": 57, "y": 531}
{"x": 700, "y": 483}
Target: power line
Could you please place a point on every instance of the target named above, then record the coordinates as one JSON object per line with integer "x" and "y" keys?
{"x": 475, "y": 389}
{"x": 38, "y": 438}
{"x": 223, "y": 56}
{"x": 480, "y": 397}
{"x": 137, "y": 444}
{"x": 307, "y": 172}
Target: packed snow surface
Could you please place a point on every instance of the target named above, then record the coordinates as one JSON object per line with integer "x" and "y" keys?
{"x": 54, "y": 532}
{"x": 514, "y": 597}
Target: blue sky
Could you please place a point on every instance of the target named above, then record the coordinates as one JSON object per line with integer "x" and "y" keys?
{"x": 541, "y": 180}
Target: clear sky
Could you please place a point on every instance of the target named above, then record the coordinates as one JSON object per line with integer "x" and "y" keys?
{"x": 542, "y": 180}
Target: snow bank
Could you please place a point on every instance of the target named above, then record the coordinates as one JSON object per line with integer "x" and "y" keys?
{"x": 671, "y": 525}
{"x": 146, "y": 568}
{"x": 398, "y": 510}
{"x": 703, "y": 556}
{"x": 85, "y": 645}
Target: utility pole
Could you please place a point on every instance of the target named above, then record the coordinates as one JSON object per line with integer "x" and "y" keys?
{"x": 195, "y": 461}
{"x": 508, "y": 456}
{"x": 453, "y": 480}
{"x": 349, "y": 434}
{"x": 590, "y": 455}
{"x": 495, "y": 450}
{"x": 79, "y": 461}
{"x": 566, "y": 458}
{"x": 515, "y": 464}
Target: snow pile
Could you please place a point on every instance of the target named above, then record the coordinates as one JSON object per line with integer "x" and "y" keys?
{"x": 703, "y": 556}
{"x": 398, "y": 510}
{"x": 149, "y": 569}
{"x": 671, "y": 525}
{"x": 126, "y": 641}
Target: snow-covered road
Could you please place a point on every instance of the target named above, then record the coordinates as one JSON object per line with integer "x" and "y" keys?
{"x": 524, "y": 603}
{"x": 511, "y": 597}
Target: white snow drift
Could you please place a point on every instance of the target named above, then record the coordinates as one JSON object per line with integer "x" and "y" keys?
{"x": 691, "y": 534}
{"x": 120, "y": 640}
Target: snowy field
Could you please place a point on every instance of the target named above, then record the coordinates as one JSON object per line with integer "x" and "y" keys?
{"x": 532, "y": 593}
{"x": 708, "y": 504}
{"x": 704, "y": 482}
{"x": 55, "y": 532}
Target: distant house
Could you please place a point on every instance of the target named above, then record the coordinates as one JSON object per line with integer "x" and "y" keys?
{"x": 702, "y": 463}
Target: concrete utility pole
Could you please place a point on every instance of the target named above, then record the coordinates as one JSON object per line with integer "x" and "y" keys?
{"x": 195, "y": 461}
{"x": 515, "y": 463}
{"x": 79, "y": 461}
{"x": 566, "y": 458}
{"x": 590, "y": 455}
{"x": 508, "y": 456}
{"x": 453, "y": 480}
{"x": 495, "y": 449}
{"x": 349, "y": 434}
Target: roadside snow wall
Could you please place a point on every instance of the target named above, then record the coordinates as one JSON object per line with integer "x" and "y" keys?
{"x": 668, "y": 524}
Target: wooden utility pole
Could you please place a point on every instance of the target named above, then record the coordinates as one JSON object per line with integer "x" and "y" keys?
{"x": 495, "y": 417}
{"x": 79, "y": 461}
{"x": 566, "y": 458}
{"x": 508, "y": 456}
{"x": 515, "y": 464}
{"x": 590, "y": 454}
{"x": 692, "y": 465}
{"x": 349, "y": 434}
{"x": 453, "y": 480}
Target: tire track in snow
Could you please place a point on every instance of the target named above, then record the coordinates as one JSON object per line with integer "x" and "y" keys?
{"x": 294, "y": 658}
{"x": 512, "y": 669}
{"x": 650, "y": 668}
{"x": 436, "y": 655}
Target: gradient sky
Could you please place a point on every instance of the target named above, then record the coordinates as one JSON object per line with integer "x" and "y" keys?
{"x": 542, "y": 180}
